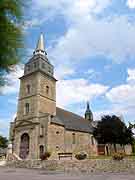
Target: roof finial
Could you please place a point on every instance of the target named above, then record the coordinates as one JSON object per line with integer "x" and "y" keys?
{"x": 40, "y": 49}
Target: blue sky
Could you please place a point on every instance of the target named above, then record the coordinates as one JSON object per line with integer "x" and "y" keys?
{"x": 91, "y": 43}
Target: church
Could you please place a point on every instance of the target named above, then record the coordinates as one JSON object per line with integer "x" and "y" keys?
{"x": 40, "y": 126}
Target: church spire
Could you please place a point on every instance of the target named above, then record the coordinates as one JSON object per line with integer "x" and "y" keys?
{"x": 88, "y": 113}
{"x": 88, "y": 106}
{"x": 39, "y": 60}
{"x": 40, "y": 48}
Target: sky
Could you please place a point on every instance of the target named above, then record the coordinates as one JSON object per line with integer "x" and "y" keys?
{"x": 91, "y": 44}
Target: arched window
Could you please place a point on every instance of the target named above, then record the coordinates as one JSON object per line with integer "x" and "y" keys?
{"x": 47, "y": 89}
{"x": 41, "y": 150}
{"x": 27, "y": 108}
{"x": 28, "y": 89}
{"x": 73, "y": 138}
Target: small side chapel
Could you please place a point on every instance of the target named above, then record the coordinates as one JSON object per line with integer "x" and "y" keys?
{"x": 40, "y": 126}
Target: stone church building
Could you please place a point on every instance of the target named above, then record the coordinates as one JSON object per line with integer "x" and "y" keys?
{"x": 40, "y": 126}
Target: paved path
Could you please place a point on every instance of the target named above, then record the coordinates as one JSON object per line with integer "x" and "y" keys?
{"x": 25, "y": 174}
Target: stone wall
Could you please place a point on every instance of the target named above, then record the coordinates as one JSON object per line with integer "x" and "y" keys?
{"x": 61, "y": 140}
{"x": 39, "y": 99}
{"x": 75, "y": 166}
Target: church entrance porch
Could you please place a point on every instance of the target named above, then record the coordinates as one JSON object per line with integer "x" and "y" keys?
{"x": 24, "y": 146}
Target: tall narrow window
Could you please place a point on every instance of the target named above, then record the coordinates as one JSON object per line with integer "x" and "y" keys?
{"x": 92, "y": 140}
{"x": 47, "y": 89}
{"x": 41, "y": 150}
{"x": 73, "y": 138}
{"x": 27, "y": 108}
{"x": 41, "y": 130}
{"x": 28, "y": 89}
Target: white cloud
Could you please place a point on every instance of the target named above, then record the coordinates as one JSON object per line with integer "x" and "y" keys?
{"x": 91, "y": 37}
{"x": 131, "y": 4}
{"x": 87, "y": 35}
{"x": 13, "y": 81}
{"x": 92, "y": 74}
{"x": 77, "y": 91}
{"x": 63, "y": 71}
{"x": 68, "y": 91}
{"x": 69, "y": 7}
{"x": 131, "y": 75}
{"x": 124, "y": 93}
{"x": 99, "y": 114}
{"x": 122, "y": 96}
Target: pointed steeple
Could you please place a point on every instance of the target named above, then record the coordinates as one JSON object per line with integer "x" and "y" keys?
{"x": 88, "y": 106}
{"x": 40, "y": 48}
{"x": 39, "y": 60}
{"x": 88, "y": 113}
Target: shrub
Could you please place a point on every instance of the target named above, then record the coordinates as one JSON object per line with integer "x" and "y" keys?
{"x": 81, "y": 156}
{"x": 118, "y": 156}
{"x": 45, "y": 156}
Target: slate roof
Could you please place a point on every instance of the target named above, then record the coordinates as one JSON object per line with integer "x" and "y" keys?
{"x": 72, "y": 121}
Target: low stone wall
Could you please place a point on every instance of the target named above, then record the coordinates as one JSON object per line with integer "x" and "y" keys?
{"x": 74, "y": 166}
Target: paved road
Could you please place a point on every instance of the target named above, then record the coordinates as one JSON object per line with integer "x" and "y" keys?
{"x": 25, "y": 174}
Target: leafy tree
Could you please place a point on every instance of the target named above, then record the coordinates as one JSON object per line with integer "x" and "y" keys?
{"x": 3, "y": 142}
{"x": 11, "y": 13}
{"x": 112, "y": 130}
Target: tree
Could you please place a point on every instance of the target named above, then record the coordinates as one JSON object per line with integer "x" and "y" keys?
{"x": 3, "y": 142}
{"x": 111, "y": 130}
{"x": 11, "y": 13}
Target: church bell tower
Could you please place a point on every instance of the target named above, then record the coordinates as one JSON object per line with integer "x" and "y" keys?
{"x": 36, "y": 104}
{"x": 37, "y": 86}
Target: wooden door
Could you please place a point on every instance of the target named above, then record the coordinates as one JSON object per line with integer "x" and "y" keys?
{"x": 24, "y": 146}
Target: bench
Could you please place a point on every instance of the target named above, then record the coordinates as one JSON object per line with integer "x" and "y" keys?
{"x": 64, "y": 155}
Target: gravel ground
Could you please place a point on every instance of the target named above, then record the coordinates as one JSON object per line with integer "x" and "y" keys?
{"x": 31, "y": 174}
